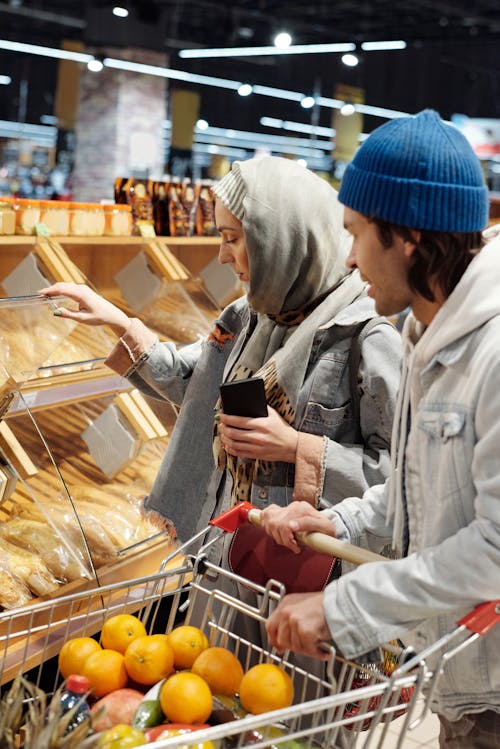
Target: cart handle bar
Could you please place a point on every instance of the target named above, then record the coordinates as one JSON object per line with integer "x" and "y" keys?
{"x": 244, "y": 512}
{"x": 479, "y": 621}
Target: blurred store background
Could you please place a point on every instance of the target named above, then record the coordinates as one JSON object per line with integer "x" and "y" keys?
{"x": 94, "y": 90}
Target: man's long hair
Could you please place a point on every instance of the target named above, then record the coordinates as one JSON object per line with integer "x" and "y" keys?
{"x": 440, "y": 258}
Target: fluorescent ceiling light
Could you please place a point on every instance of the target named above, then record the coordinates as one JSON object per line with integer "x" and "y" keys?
{"x": 390, "y": 114}
{"x": 297, "y": 127}
{"x": 5, "y": 80}
{"x": 182, "y": 75}
{"x": 294, "y": 49}
{"x": 376, "y": 46}
{"x": 282, "y": 40}
{"x": 35, "y": 49}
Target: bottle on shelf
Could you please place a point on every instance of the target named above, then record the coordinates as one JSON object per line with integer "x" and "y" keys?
{"x": 73, "y": 696}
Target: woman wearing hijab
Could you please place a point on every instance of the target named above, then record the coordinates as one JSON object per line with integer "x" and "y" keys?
{"x": 282, "y": 232}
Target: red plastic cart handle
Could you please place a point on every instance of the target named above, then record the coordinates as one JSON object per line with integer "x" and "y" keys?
{"x": 481, "y": 619}
{"x": 233, "y": 518}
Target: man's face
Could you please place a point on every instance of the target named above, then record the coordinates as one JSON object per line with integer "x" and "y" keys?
{"x": 385, "y": 269}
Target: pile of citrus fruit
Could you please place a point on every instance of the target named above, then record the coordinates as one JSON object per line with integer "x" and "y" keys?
{"x": 189, "y": 670}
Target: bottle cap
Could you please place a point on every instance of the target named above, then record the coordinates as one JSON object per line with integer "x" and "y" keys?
{"x": 78, "y": 684}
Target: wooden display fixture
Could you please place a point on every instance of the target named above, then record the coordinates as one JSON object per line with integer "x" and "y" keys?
{"x": 73, "y": 389}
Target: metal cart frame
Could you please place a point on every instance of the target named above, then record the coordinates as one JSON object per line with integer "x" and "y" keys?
{"x": 325, "y": 708}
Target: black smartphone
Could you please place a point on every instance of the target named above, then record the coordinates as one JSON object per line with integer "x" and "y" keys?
{"x": 244, "y": 397}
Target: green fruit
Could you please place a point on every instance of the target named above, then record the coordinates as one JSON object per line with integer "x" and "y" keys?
{"x": 148, "y": 714}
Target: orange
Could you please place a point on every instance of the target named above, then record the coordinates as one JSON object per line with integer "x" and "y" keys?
{"x": 187, "y": 643}
{"x": 74, "y": 653}
{"x": 186, "y": 698}
{"x": 265, "y": 687}
{"x": 149, "y": 659}
{"x": 105, "y": 669}
{"x": 120, "y": 630}
{"x": 121, "y": 737}
{"x": 221, "y": 670}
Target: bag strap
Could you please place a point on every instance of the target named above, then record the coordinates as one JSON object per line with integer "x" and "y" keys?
{"x": 353, "y": 361}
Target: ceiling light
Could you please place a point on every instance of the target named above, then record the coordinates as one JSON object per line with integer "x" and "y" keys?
{"x": 308, "y": 102}
{"x": 294, "y": 49}
{"x": 350, "y": 60}
{"x": 202, "y": 125}
{"x": 182, "y": 75}
{"x": 36, "y": 49}
{"x": 120, "y": 11}
{"x": 5, "y": 80}
{"x": 347, "y": 110}
{"x": 297, "y": 127}
{"x": 376, "y": 46}
{"x": 245, "y": 89}
{"x": 282, "y": 40}
{"x": 95, "y": 65}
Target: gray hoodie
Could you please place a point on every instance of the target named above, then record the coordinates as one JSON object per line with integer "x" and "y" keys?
{"x": 443, "y": 502}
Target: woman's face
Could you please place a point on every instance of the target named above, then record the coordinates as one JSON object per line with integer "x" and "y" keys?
{"x": 233, "y": 248}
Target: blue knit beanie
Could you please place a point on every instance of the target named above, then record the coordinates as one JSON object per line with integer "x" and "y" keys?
{"x": 418, "y": 172}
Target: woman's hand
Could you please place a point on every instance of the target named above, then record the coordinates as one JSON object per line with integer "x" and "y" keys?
{"x": 299, "y": 624}
{"x": 92, "y": 308}
{"x": 266, "y": 438}
{"x": 282, "y": 523}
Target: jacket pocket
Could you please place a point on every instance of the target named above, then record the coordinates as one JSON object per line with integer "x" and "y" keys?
{"x": 328, "y": 421}
{"x": 445, "y": 450}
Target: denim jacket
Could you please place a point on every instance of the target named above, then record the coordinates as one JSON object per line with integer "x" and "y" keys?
{"x": 188, "y": 489}
{"x": 449, "y": 503}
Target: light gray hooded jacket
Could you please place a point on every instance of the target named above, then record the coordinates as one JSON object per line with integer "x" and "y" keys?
{"x": 444, "y": 501}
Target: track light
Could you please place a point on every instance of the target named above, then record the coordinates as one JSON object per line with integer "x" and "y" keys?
{"x": 95, "y": 65}
{"x": 120, "y": 11}
{"x": 282, "y": 40}
{"x": 245, "y": 89}
{"x": 350, "y": 60}
{"x": 308, "y": 102}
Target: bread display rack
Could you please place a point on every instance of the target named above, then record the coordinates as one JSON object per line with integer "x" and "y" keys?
{"x": 79, "y": 447}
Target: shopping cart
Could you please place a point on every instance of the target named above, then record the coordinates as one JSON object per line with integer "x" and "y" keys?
{"x": 330, "y": 709}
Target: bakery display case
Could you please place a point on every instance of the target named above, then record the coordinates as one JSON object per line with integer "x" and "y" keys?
{"x": 144, "y": 277}
{"x": 77, "y": 456}
{"x": 79, "y": 447}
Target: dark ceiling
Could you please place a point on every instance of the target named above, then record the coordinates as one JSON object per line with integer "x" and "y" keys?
{"x": 451, "y": 62}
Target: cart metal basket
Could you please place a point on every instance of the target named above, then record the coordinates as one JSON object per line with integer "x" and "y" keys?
{"x": 349, "y": 703}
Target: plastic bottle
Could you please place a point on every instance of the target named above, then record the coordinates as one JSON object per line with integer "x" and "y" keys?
{"x": 74, "y": 693}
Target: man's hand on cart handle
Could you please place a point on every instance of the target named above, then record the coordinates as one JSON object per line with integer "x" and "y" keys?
{"x": 298, "y": 623}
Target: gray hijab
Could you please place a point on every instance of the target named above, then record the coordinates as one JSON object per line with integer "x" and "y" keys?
{"x": 297, "y": 250}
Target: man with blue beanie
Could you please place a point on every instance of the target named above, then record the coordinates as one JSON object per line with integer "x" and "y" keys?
{"x": 416, "y": 204}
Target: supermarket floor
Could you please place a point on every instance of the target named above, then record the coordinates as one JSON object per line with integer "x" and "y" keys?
{"x": 424, "y": 735}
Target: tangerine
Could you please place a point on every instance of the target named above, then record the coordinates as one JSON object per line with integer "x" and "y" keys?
{"x": 186, "y": 698}
{"x": 105, "y": 669}
{"x": 187, "y": 642}
{"x": 149, "y": 659}
{"x": 221, "y": 670}
{"x": 265, "y": 687}
{"x": 120, "y": 630}
{"x": 74, "y": 653}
